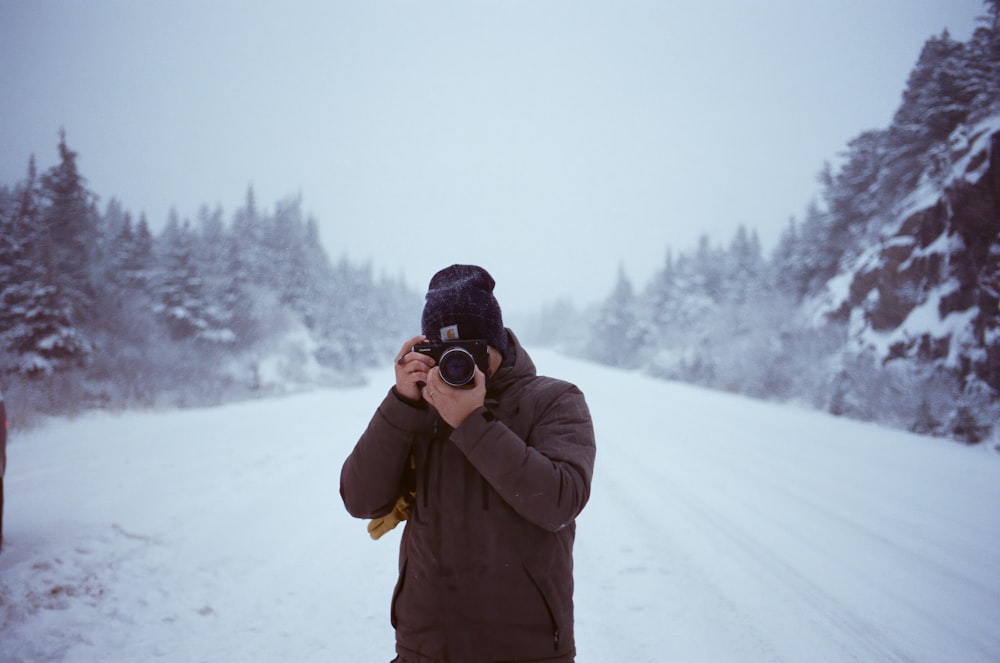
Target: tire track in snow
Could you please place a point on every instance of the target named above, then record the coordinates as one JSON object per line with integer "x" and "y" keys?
{"x": 693, "y": 472}
{"x": 914, "y": 562}
{"x": 643, "y": 567}
{"x": 739, "y": 554}
{"x": 939, "y": 552}
{"x": 863, "y": 642}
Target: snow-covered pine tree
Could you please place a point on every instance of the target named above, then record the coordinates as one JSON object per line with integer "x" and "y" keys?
{"x": 37, "y": 331}
{"x": 852, "y": 195}
{"x": 346, "y": 328}
{"x": 985, "y": 49}
{"x": 937, "y": 98}
{"x": 617, "y": 337}
{"x": 809, "y": 253}
{"x": 291, "y": 256}
{"x": 247, "y": 229}
{"x": 138, "y": 267}
{"x": 659, "y": 302}
{"x": 66, "y": 244}
{"x": 182, "y": 300}
{"x": 745, "y": 268}
{"x": 233, "y": 292}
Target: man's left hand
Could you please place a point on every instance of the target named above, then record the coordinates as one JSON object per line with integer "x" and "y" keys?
{"x": 454, "y": 404}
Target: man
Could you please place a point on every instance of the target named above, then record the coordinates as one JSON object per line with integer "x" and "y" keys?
{"x": 490, "y": 478}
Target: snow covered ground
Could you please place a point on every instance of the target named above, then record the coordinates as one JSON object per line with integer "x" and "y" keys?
{"x": 720, "y": 529}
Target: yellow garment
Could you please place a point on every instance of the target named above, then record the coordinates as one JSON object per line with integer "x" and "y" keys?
{"x": 400, "y": 512}
{"x": 379, "y": 526}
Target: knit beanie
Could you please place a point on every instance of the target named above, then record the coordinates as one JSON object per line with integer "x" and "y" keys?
{"x": 460, "y": 305}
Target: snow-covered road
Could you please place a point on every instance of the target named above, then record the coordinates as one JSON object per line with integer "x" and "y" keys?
{"x": 748, "y": 532}
{"x": 720, "y": 529}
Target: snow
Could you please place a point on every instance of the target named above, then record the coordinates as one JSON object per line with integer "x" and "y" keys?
{"x": 293, "y": 358}
{"x": 924, "y": 319}
{"x": 836, "y": 291}
{"x": 945, "y": 244}
{"x": 720, "y": 529}
{"x": 973, "y": 142}
{"x": 968, "y": 143}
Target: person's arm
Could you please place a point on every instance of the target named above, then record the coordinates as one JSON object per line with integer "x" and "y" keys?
{"x": 371, "y": 476}
{"x": 547, "y": 481}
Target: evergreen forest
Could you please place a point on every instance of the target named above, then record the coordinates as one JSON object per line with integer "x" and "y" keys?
{"x": 881, "y": 302}
{"x": 97, "y": 311}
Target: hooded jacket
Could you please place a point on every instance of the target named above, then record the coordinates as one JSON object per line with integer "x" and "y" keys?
{"x": 486, "y": 556}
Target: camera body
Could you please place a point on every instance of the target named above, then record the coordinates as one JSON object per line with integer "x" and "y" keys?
{"x": 457, "y": 360}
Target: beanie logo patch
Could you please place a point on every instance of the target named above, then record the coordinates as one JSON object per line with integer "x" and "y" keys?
{"x": 449, "y": 333}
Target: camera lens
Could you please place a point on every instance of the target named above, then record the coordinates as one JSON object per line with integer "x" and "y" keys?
{"x": 458, "y": 367}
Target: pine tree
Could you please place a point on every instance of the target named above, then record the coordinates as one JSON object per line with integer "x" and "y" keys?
{"x": 618, "y": 338}
{"x": 247, "y": 228}
{"x": 659, "y": 302}
{"x": 180, "y": 289}
{"x": 938, "y": 97}
{"x": 744, "y": 266}
{"x": 37, "y": 330}
{"x": 852, "y": 195}
{"x": 233, "y": 292}
{"x": 119, "y": 253}
{"x": 139, "y": 265}
{"x": 819, "y": 250}
{"x": 17, "y": 222}
{"x": 211, "y": 242}
{"x": 784, "y": 268}
{"x": 984, "y": 51}
{"x": 66, "y": 245}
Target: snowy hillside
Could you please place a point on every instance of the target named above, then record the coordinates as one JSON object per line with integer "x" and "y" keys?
{"x": 720, "y": 529}
{"x": 911, "y": 292}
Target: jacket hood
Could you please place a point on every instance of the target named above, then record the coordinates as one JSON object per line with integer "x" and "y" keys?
{"x": 517, "y": 366}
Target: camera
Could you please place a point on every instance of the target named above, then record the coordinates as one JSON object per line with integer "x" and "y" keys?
{"x": 457, "y": 360}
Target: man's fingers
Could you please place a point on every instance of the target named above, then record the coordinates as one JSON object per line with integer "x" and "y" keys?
{"x": 434, "y": 377}
{"x": 405, "y": 350}
{"x": 416, "y": 364}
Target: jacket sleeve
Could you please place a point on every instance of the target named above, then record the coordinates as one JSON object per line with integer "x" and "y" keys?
{"x": 545, "y": 479}
{"x": 370, "y": 480}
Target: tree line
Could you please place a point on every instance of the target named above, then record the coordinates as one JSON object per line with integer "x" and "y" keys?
{"x": 728, "y": 317}
{"x": 96, "y": 310}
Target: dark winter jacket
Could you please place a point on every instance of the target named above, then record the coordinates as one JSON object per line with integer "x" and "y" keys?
{"x": 486, "y": 557}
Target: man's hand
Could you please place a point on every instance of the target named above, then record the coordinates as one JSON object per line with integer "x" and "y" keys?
{"x": 411, "y": 370}
{"x": 452, "y": 403}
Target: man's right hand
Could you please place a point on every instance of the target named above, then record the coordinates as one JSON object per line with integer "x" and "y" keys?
{"x": 411, "y": 370}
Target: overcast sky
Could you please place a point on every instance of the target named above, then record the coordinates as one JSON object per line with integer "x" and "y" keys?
{"x": 548, "y": 140}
